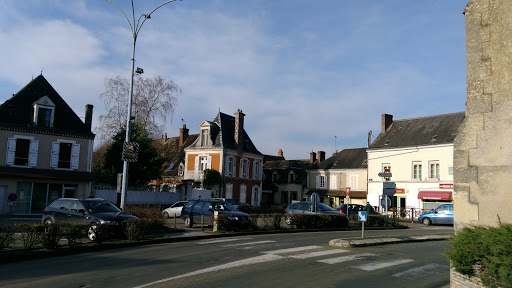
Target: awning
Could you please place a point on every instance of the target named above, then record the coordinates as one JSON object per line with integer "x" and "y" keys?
{"x": 435, "y": 195}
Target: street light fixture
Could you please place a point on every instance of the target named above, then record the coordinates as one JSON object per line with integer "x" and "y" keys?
{"x": 135, "y": 28}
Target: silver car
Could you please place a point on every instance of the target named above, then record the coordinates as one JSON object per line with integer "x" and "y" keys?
{"x": 306, "y": 207}
{"x": 174, "y": 210}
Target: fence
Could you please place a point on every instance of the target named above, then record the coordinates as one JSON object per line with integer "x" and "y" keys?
{"x": 409, "y": 214}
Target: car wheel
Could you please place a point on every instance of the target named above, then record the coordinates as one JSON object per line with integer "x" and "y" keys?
{"x": 427, "y": 221}
{"x": 92, "y": 232}
{"x": 288, "y": 220}
{"x": 166, "y": 215}
{"x": 188, "y": 222}
{"x": 46, "y": 223}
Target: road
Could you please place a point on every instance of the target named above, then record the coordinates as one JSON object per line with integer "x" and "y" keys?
{"x": 276, "y": 260}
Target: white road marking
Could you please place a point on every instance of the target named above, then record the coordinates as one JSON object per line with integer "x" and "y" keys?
{"x": 291, "y": 250}
{"x": 248, "y": 243}
{"x": 380, "y": 265}
{"x": 244, "y": 262}
{"x": 347, "y": 258}
{"x": 223, "y": 240}
{"x": 319, "y": 253}
{"x": 421, "y": 271}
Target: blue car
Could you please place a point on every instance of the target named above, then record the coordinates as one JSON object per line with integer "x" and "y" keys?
{"x": 441, "y": 215}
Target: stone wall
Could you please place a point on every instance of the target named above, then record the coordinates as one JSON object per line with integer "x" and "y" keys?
{"x": 483, "y": 147}
{"x": 458, "y": 280}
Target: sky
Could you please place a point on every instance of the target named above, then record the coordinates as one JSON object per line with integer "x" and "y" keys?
{"x": 308, "y": 75}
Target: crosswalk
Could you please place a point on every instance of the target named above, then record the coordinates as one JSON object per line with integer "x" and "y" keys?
{"x": 327, "y": 255}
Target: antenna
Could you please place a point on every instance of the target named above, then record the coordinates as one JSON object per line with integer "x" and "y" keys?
{"x": 41, "y": 70}
{"x": 335, "y": 147}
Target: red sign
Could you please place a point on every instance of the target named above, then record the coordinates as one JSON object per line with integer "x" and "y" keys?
{"x": 347, "y": 190}
{"x": 12, "y": 197}
{"x": 399, "y": 190}
{"x": 445, "y": 186}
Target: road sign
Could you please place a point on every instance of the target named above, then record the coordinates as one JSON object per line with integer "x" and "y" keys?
{"x": 385, "y": 174}
{"x": 361, "y": 216}
{"x": 347, "y": 190}
{"x": 388, "y": 191}
{"x": 388, "y": 185}
{"x": 384, "y": 200}
{"x": 12, "y": 197}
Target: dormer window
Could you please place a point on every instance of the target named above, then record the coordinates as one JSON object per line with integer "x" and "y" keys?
{"x": 205, "y": 133}
{"x": 44, "y": 111}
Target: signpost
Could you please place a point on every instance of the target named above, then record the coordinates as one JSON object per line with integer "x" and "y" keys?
{"x": 385, "y": 174}
{"x": 361, "y": 216}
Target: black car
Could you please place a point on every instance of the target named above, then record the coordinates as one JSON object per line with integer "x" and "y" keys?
{"x": 353, "y": 210}
{"x": 91, "y": 210}
{"x": 194, "y": 210}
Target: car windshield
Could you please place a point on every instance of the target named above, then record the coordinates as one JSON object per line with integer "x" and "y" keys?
{"x": 224, "y": 206}
{"x": 100, "y": 207}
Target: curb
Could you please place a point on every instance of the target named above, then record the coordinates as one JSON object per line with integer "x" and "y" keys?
{"x": 387, "y": 240}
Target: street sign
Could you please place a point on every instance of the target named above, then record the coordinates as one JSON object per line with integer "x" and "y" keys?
{"x": 12, "y": 197}
{"x": 130, "y": 151}
{"x": 384, "y": 201}
{"x": 388, "y": 185}
{"x": 388, "y": 191}
{"x": 385, "y": 174}
{"x": 347, "y": 190}
{"x": 361, "y": 216}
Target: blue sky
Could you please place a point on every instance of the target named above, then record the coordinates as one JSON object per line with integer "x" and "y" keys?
{"x": 309, "y": 75}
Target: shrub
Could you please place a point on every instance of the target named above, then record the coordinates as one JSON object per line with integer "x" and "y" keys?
{"x": 51, "y": 236}
{"x": 309, "y": 221}
{"x": 271, "y": 221}
{"x": 136, "y": 228}
{"x": 6, "y": 236}
{"x": 30, "y": 234}
{"x": 145, "y": 211}
{"x": 485, "y": 252}
{"x": 73, "y": 232}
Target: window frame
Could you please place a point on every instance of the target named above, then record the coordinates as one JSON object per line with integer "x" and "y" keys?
{"x": 55, "y": 154}
{"x": 417, "y": 171}
{"x": 437, "y": 170}
{"x": 12, "y": 147}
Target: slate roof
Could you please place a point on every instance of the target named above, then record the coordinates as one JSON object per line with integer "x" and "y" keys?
{"x": 346, "y": 159}
{"x": 420, "y": 131}
{"x": 222, "y": 134}
{"x": 283, "y": 168}
{"x": 17, "y": 112}
{"x": 173, "y": 153}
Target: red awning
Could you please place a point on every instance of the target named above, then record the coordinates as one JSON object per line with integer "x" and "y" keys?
{"x": 435, "y": 195}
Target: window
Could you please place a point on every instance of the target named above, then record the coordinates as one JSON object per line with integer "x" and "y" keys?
{"x": 203, "y": 163}
{"x": 255, "y": 194}
{"x": 256, "y": 169}
{"x": 433, "y": 167}
{"x": 44, "y": 117}
{"x": 204, "y": 137}
{"x": 332, "y": 182}
{"x": 22, "y": 151}
{"x": 180, "y": 170}
{"x": 243, "y": 193}
{"x": 320, "y": 181}
{"x": 354, "y": 182}
{"x": 65, "y": 155}
{"x": 230, "y": 166}
{"x": 274, "y": 177}
{"x": 244, "y": 167}
{"x": 291, "y": 177}
{"x": 229, "y": 191}
{"x": 386, "y": 168}
{"x": 416, "y": 170}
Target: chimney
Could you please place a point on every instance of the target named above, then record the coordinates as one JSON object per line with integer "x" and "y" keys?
{"x": 280, "y": 153}
{"x": 312, "y": 157}
{"x": 88, "y": 116}
{"x": 239, "y": 129}
{"x": 183, "y": 134}
{"x": 321, "y": 156}
{"x": 387, "y": 120}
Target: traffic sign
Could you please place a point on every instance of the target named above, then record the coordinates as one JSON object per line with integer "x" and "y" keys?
{"x": 361, "y": 216}
{"x": 388, "y": 191}
{"x": 388, "y": 185}
{"x": 347, "y": 190}
{"x": 385, "y": 174}
{"x": 384, "y": 201}
{"x": 12, "y": 197}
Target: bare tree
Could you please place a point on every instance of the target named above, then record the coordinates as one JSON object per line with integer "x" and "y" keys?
{"x": 153, "y": 100}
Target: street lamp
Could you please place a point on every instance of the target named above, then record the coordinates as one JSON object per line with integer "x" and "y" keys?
{"x": 135, "y": 27}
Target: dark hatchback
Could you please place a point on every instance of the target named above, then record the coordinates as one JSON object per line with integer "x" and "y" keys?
{"x": 194, "y": 210}
{"x": 91, "y": 210}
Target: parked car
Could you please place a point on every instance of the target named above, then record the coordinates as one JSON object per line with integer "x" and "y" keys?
{"x": 91, "y": 210}
{"x": 441, "y": 215}
{"x": 194, "y": 209}
{"x": 174, "y": 210}
{"x": 353, "y": 209}
{"x": 238, "y": 205}
{"x": 306, "y": 207}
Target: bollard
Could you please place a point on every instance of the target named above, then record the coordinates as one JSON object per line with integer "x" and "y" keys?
{"x": 174, "y": 224}
{"x": 202, "y": 222}
{"x": 215, "y": 219}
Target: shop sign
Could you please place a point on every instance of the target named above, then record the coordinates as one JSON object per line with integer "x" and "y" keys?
{"x": 400, "y": 190}
{"x": 445, "y": 186}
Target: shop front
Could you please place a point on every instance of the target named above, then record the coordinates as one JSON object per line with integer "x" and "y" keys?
{"x": 433, "y": 199}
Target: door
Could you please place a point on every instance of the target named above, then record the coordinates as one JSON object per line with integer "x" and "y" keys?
{"x": 3, "y": 199}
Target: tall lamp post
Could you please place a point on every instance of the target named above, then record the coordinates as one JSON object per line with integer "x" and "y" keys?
{"x": 135, "y": 28}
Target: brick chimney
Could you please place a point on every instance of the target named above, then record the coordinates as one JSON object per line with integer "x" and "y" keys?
{"x": 321, "y": 156}
{"x": 183, "y": 134}
{"x": 312, "y": 157}
{"x": 88, "y": 116}
{"x": 239, "y": 129}
{"x": 387, "y": 120}
{"x": 280, "y": 153}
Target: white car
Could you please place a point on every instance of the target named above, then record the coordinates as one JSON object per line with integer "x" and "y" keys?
{"x": 174, "y": 210}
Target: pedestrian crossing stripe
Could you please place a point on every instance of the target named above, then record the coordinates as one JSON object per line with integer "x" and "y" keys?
{"x": 248, "y": 243}
{"x": 291, "y": 250}
{"x": 222, "y": 240}
{"x": 380, "y": 265}
{"x": 348, "y": 258}
{"x": 421, "y": 271}
{"x": 318, "y": 254}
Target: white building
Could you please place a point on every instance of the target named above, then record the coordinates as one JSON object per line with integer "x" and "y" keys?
{"x": 418, "y": 153}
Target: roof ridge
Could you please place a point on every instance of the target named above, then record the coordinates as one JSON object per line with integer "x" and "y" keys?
{"x": 431, "y": 116}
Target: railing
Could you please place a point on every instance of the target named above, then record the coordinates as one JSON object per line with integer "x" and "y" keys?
{"x": 409, "y": 214}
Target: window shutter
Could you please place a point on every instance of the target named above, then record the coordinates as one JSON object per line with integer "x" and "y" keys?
{"x": 196, "y": 165}
{"x": 32, "y": 153}
{"x": 240, "y": 175}
{"x": 254, "y": 174}
{"x": 209, "y": 162}
{"x": 318, "y": 181}
{"x": 54, "y": 156}
{"x": 11, "y": 151}
{"x": 226, "y": 166}
{"x": 75, "y": 155}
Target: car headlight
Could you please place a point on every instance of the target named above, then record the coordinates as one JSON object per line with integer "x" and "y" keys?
{"x": 233, "y": 218}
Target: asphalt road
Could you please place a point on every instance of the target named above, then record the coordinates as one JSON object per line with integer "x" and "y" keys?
{"x": 277, "y": 260}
